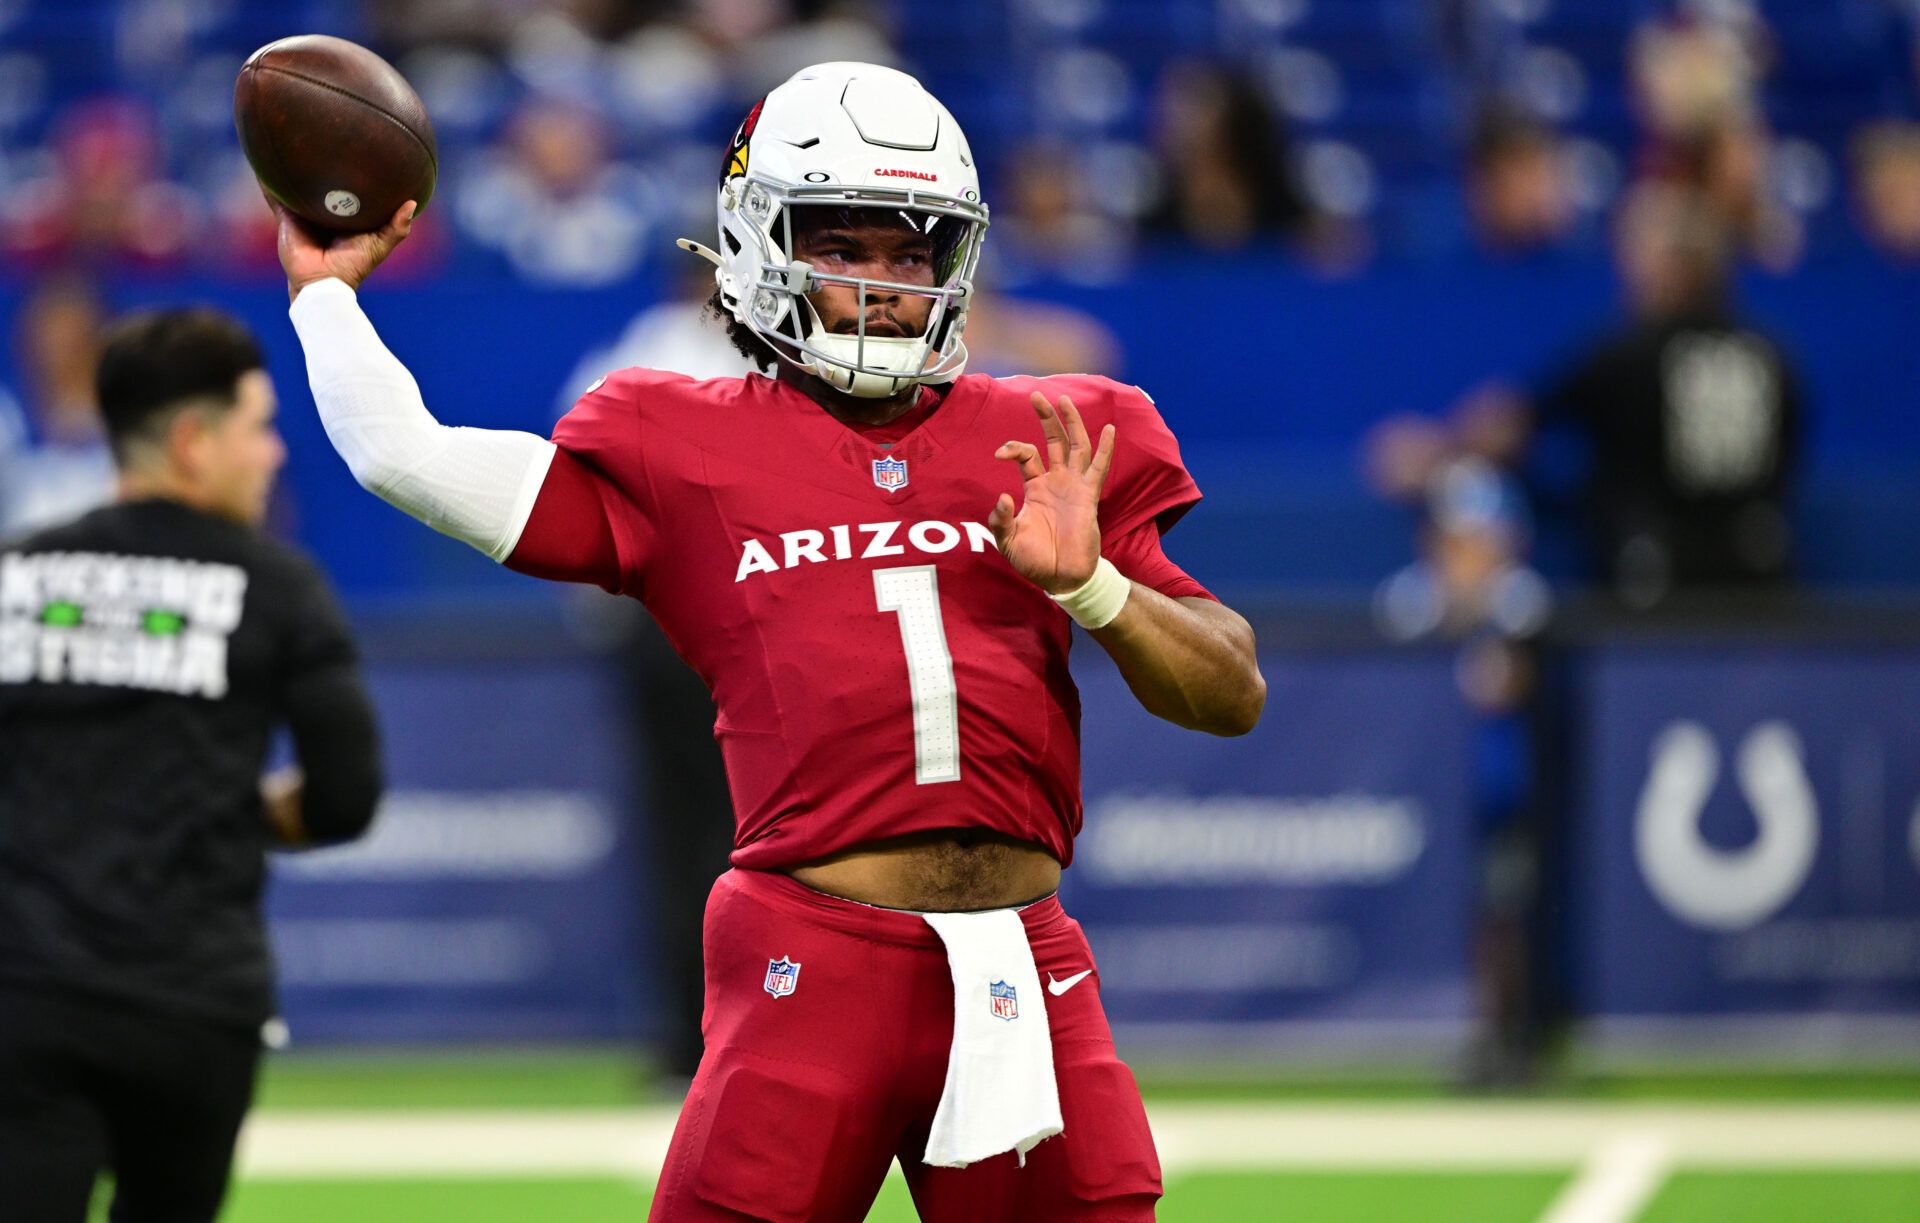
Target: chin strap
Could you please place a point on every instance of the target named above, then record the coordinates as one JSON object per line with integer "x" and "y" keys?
{"x": 905, "y": 352}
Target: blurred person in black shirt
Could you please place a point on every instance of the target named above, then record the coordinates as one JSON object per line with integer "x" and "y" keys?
{"x": 148, "y": 649}
{"x": 1691, "y": 414}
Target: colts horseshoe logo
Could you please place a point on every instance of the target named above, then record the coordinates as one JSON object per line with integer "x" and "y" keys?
{"x": 1715, "y": 888}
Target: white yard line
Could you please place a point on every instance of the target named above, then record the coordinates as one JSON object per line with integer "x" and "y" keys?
{"x": 1615, "y": 1185}
{"x": 1442, "y": 1135}
{"x": 324, "y": 1145}
{"x": 1499, "y": 1134}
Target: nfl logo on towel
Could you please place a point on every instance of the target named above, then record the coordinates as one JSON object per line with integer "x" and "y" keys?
{"x": 782, "y": 975}
{"x": 890, "y": 474}
{"x": 1000, "y": 996}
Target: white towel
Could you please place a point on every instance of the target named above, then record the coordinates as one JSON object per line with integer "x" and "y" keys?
{"x": 1000, "y": 1094}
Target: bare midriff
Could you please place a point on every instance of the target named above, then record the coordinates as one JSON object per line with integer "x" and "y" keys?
{"x": 950, "y": 870}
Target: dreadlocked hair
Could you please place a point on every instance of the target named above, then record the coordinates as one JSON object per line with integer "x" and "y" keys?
{"x": 744, "y": 341}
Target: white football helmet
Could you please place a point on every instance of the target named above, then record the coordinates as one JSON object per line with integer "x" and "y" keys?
{"x": 848, "y": 136}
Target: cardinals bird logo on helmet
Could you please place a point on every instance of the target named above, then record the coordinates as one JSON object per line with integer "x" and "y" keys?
{"x": 848, "y": 136}
{"x": 742, "y": 139}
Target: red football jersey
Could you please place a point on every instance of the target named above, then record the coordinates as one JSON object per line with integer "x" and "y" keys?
{"x": 878, "y": 666}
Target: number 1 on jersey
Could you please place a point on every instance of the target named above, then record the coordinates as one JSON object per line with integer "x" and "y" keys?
{"x": 912, "y": 593}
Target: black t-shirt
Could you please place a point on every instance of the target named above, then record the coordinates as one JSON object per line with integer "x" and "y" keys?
{"x": 147, "y": 652}
{"x": 1694, "y": 425}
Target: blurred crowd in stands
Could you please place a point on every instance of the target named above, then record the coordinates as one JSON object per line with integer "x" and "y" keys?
{"x": 1686, "y": 412}
{"x": 576, "y": 134}
{"x": 580, "y": 136}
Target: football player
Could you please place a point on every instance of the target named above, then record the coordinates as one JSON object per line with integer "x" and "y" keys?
{"x": 874, "y": 560}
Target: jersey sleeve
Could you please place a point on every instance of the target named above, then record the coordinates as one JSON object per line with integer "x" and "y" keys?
{"x": 1138, "y": 555}
{"x": 1148, "y": 483}
{"x": 324, "y": 701}
{"x": 569, "y": 535}
{"x": 593, "y": 520}
{"x": 313, "y": 630}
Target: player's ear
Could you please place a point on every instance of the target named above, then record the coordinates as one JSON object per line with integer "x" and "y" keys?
{"x": 187, "y": 440}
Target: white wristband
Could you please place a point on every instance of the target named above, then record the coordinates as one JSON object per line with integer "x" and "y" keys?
{"x": 1096, "y": 602}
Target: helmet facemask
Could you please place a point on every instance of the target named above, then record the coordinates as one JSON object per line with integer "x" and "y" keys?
{"x": 866, "y": 142}
{"x": 759, "y": 232}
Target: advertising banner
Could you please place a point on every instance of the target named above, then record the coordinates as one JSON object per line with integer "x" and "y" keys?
{"x": 1749, "y": 843}
{"x": 1309, "y": 884}
{"x": 496, "y": 897}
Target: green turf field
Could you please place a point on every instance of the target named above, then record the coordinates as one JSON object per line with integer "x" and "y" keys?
{"x": 1307, "y": 1197}
{"x": 576, "y": 1137}
{"x": 1318, "y": 1196}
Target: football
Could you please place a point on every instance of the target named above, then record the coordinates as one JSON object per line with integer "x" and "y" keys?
{"x": 334, "y": 132}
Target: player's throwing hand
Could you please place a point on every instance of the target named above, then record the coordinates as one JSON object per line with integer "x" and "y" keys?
{"x": 309, "y": 254}
{"x": 1054, "y": 539}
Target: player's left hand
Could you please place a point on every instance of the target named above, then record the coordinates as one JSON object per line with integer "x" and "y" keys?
{"x": 1054, "y": 539}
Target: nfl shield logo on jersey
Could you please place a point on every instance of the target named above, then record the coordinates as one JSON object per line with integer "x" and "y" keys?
{"x": 1005, "y": 1004}
{"x": 782, "y": 975}
{"x": 890, "y": 474}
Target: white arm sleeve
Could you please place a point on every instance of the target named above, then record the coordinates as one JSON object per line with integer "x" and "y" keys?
{"x": 477, "y": 485}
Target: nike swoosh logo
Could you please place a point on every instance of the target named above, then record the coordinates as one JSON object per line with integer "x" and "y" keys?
{"x": 1056, "y": 988}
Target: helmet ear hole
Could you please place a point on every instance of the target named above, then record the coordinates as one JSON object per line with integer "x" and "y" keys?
{"x": 733, "y": 243}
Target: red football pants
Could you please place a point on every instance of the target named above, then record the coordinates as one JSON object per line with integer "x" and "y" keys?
{"x": 804, "y": 1098}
